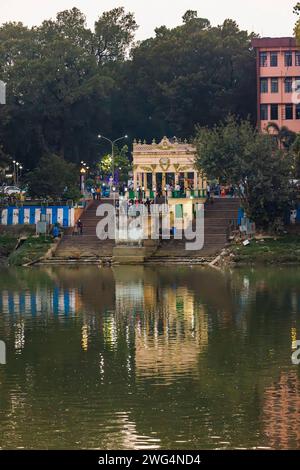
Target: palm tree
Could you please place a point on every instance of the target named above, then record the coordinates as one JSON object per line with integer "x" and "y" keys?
{"x": 284, "y": 136}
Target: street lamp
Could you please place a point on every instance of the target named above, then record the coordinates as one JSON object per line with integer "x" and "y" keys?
{"x": 17, "y": 172}
{"x": 112, "y": 142}
{"x": 82, "y": 175}
{"x": 14, "y": 162}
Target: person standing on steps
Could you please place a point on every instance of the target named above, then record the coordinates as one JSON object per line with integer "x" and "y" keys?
{"x": 208, "y": 191}
{"x": 80, "y": 227}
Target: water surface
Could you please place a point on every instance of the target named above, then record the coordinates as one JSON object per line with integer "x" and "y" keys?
{"x": 157, "y": 358}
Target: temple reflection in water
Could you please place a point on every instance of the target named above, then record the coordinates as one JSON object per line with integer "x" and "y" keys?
{"x": 150, "y": 357}
{"x": 162, "y": 313}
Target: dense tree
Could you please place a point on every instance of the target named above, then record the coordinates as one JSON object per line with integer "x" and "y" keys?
{"x": 4, "y": 160}
{"x": 191, "y": 74}
{"x": 122, "y": 165}
{"x": 59, "y": 88}
{"x": 53, "y": 177}
{"x": 238, "y": 154}
{"x": 67, "y": 83}
{"x": 114, "y": 33}
{"x": 295, "y": 152}
{"x": 297, "y": 25}
{"x": 283, "y": 135}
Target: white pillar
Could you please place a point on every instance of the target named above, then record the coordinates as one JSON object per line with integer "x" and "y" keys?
{"x": 134, "y": 180}
{"x": 153, "y": 180}
{"x": 195, "y": 180}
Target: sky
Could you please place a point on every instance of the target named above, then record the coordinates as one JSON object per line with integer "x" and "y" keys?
{"x": 265, "y": 17}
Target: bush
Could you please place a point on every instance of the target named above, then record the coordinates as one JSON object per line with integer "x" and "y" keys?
{"x": 52, "y": 178}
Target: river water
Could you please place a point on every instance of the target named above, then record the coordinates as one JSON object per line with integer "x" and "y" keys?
{"x": 149, "y": 358}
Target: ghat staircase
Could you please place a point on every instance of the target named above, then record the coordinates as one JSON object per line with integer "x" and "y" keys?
{"x": 219, "y": 216}
{"x": 87, "y": 248}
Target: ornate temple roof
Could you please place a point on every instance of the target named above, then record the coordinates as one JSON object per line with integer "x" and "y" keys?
{"x": 165, "y": 145}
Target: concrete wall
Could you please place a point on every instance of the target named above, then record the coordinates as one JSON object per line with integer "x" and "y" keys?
{"x": 30, "y": 215}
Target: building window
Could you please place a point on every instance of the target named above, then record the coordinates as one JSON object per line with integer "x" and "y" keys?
{"x": 274, "y": 59}
{"x": 296, "y": 85}
{"x": 274, "y": 112}
{"x": 297, "y": 57}
{"x": 274, "y": 85}
{"x": 263, "y": 59}
{"x": 264, "y": 85}
{"x": 264, "y": 112}
{"x": 297, "y": 111}
{"x": 288, "y": 59}
{"x": 288, "y": 85}
{"x": 289, "y": 112}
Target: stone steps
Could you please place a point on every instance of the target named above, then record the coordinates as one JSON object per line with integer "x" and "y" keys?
{"x": 75, "y": 261}
{"x": 218, "y": 217}
{"x": 87, "y": 248}
{"x": 180, "y": 260}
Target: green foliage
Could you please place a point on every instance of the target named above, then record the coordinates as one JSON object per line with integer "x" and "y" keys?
{"x": 192, "y": 74}
{"x": 114, "y": 32}
{"x": 285, "y": 249}
{"x": 53, "y": 177}
{"x": 31, "y": 250}
{"x": 122, "y": 164}
{"x": 66, "y": 82}
{"x": 297, "y": 9}
{"x": 72, "y": 193}
{"x": 238, "y": 154}
{"x": 60, "y": 84}
{"x": 295, "y": 152}
{"x": 284, "y": 136}
{"x": 7, "y": 244}
{"x": 4, "y": 159}
{"x": 297, "y": 25}
{"x": 189, "y": 15}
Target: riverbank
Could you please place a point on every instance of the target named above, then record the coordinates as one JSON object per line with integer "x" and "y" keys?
{"x": 30, "y": 251}
{"x": 21, "y": 247}
{"x": 261, "y": 251}
{"x": 7, "y": 245}
{"x": 278, "y": 250}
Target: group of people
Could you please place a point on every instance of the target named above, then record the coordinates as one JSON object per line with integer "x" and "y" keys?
{"x": 133, "y": 204}
{"x": 220, "y": 191}
{"x": 96, "y": 193}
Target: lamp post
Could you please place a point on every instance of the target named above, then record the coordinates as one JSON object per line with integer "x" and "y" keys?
{"x": 112, "y": 142}
{"x": 17, "y": 172}
{"x": 14, "y": 162}
{"x": 21, "y": 168}
{"x": 113, "y": 188}
{"x": 82, "y": 174}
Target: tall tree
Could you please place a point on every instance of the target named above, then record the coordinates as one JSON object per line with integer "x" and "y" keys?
{"x": 194, "y": 73}
{"x": 53, "y": 177}
{"x": 284, "y": 136}
{"x": 237, "y": 154}
{"x": 297, "y": 25}
{"x": 59, "y": 92}
{"x": 114, "y": 33}
{"x": 67, "y": 83}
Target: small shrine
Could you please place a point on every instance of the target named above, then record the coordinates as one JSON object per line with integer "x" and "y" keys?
{"x": 167, "y": 166}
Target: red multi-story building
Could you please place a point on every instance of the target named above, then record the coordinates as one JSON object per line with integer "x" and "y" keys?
{"x": 278, "y": 79}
